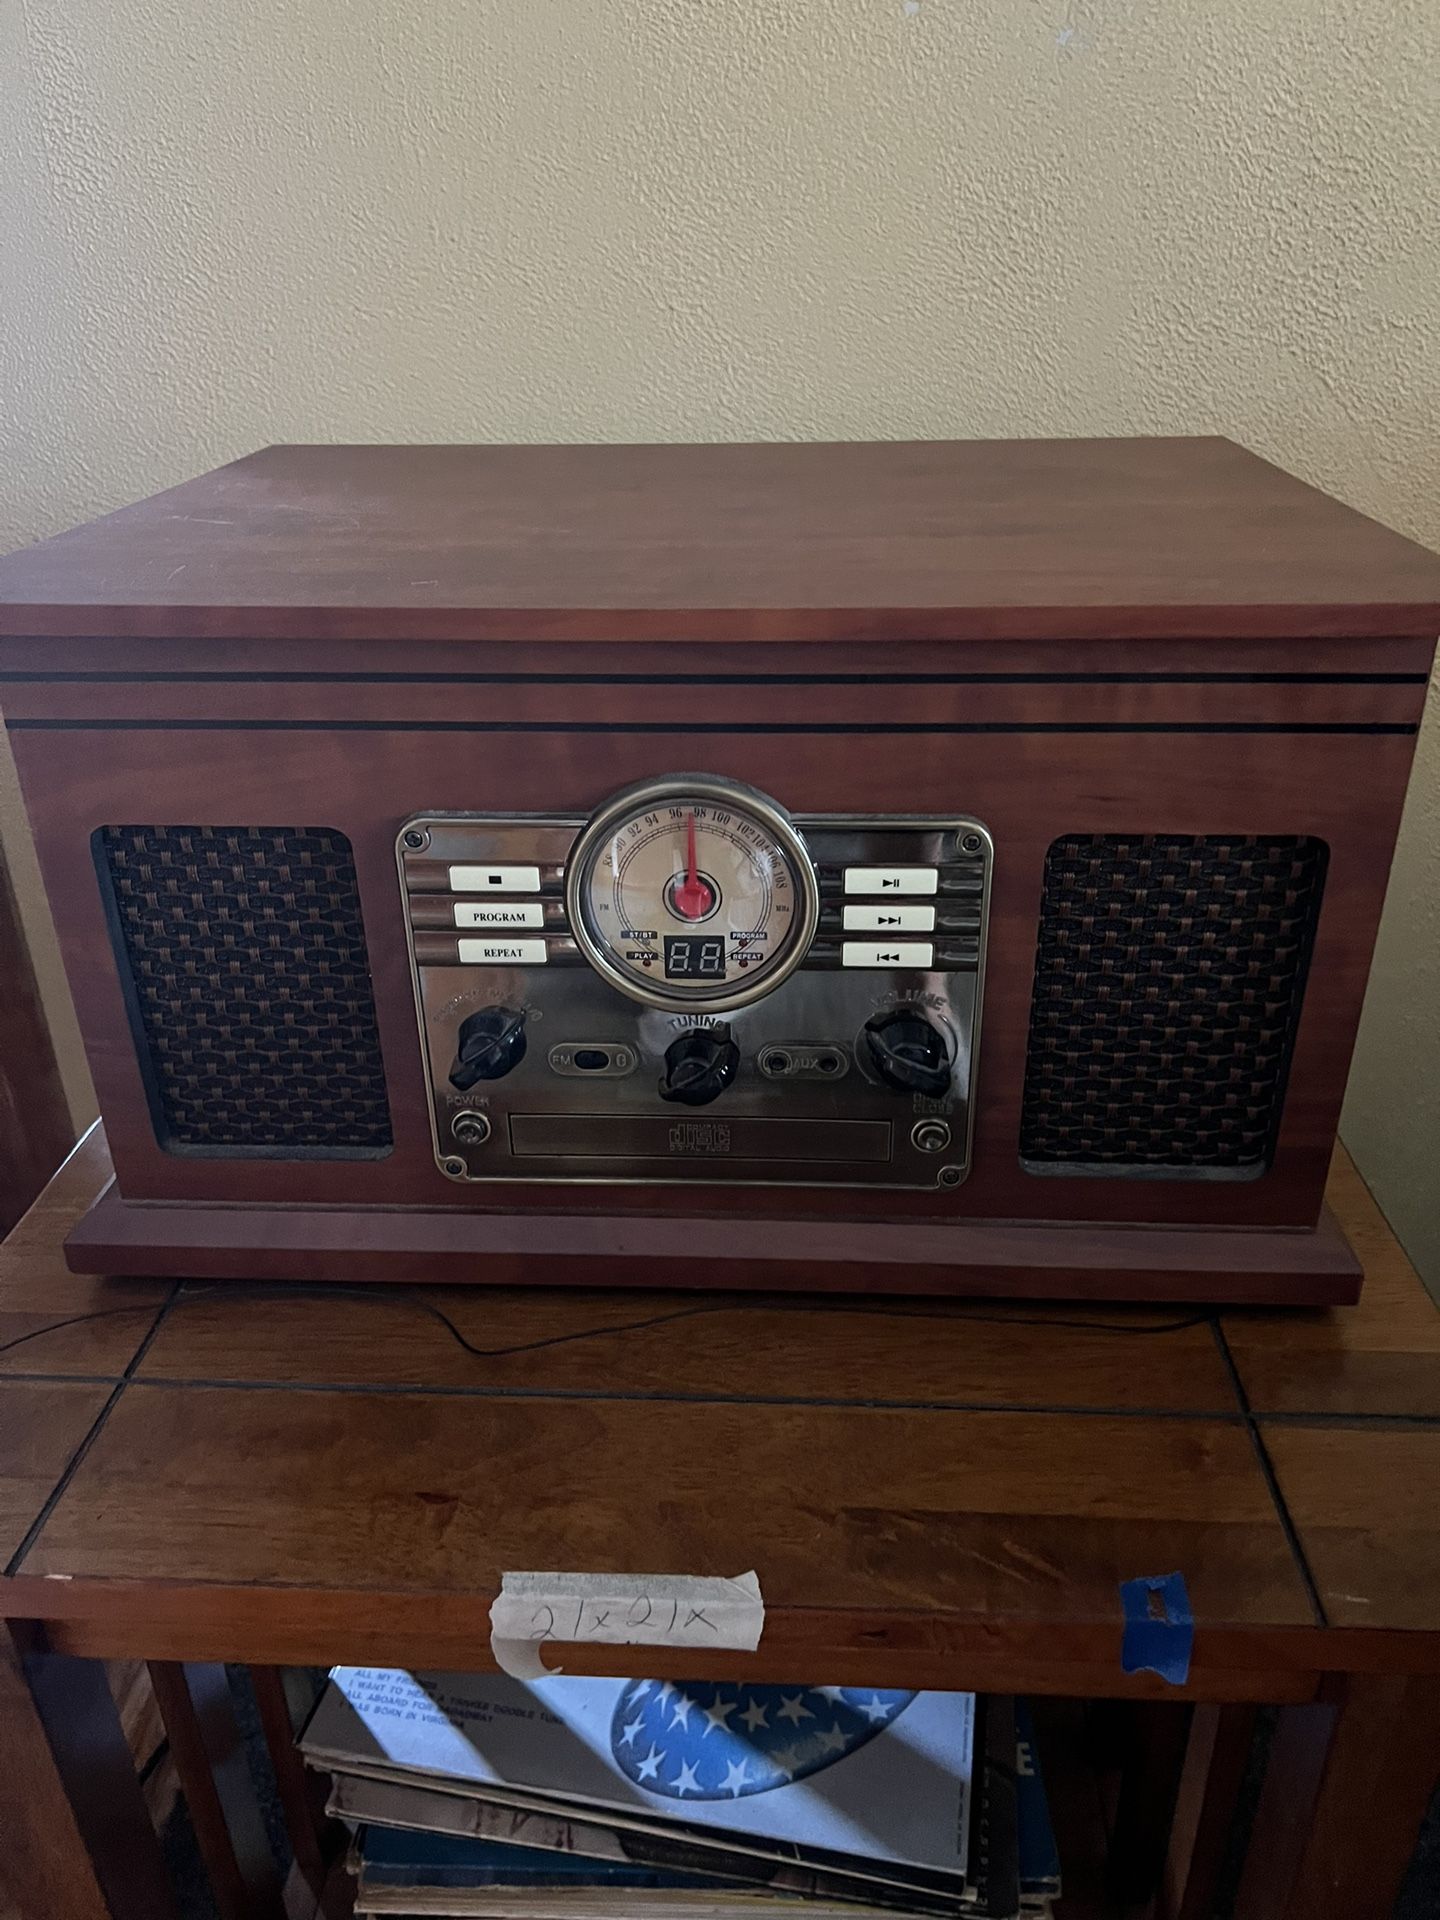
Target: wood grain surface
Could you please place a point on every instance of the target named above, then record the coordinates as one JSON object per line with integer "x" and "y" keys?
{"x": 42, "y": 1423}
{"x": 1346, "y": 789}
{"x": 311, "y": 1626}
{"x": 1055, "y": 690}
{"x": 214, "y": 1768}
{"x": 1340, "y": 1809}
{"x": 1217, "y": 1754}
{"x": 872, "y": 1257}
{"x": 784, "y": 1349}
{"x": 78, "y": 1840}
{"x": 178, "y": 671}
{"x": 38, "y": 1293}
{"x": 35, "y": 1128}
{"x": 1365, "y": 1502}
{"x": 1380, "y": 1357}
{"x": 932, "y": 1497}
{"x": 980, "y": 537}
{"x": 980, "y": 1514}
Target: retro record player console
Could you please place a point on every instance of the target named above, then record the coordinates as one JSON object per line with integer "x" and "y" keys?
{"x": 931, "y": 866}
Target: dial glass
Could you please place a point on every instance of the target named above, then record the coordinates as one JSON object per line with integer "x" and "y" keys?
{"x": 696, "y": 895}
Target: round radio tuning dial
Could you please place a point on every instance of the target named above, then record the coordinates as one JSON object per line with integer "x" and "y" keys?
{"x": 692, "y": 892}
{"x": 908, "y": 1052}
{"x": 490, "y": 1043}
{"x": 699, "y": 1066}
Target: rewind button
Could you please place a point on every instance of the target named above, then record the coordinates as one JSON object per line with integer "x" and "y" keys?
{"x": 887, "y": 953}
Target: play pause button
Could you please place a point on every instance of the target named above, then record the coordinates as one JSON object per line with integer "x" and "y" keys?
{"x": 892, "y": 880}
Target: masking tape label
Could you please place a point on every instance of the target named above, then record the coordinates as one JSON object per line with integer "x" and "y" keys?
{"x": 620, "y": 1610}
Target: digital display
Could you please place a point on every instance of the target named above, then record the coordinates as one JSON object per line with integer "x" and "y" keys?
{"x": 689, "y": 957}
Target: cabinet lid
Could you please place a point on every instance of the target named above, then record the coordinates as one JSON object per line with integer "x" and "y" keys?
{"x": 887, "y": 541}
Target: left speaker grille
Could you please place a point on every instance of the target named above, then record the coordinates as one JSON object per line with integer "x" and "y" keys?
{"x": 244, "y": 957}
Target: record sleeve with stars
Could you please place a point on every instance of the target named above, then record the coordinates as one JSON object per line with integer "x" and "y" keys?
{"x": 687, "y": 1741}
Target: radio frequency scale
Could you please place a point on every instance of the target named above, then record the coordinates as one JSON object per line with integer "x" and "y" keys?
{"x": 898, "y": 867}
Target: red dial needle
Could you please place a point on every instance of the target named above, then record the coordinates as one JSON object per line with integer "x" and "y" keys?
{"x": 692, "y": 896}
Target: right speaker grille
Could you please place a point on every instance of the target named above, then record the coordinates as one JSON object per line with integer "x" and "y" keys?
{"x": 1169, "y": 977}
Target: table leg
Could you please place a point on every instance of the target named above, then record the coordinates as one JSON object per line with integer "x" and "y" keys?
{"x": 1216, "y": 1756}
{"x": 1154, "y": 1751}
{"x": 1340, "y": 1809}
{"x": 77, "y": 1838}
{"x": 209, "y": 1755}
{"x": 301, "y": 1792}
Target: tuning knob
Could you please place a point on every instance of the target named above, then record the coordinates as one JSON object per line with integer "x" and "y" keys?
{"x": 908, "y": 1053}
{"x": 489, "y": 1044}
{"x": 699, "y": 1066}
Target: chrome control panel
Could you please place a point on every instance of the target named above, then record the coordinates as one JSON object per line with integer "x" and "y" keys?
{"x": 692, "y": 985}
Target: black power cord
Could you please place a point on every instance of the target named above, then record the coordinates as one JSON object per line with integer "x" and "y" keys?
{"x": 404, "y": 1296}
{"x": 74, "y": 1320}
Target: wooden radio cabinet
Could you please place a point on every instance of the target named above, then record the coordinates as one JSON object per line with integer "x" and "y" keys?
{"x": 931, "y": 866}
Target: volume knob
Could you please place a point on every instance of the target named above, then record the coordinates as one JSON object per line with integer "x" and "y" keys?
{"x": 490, "y": 1043}
{"x": 699, "y": 1066}
{"x": 908, "y": 1053}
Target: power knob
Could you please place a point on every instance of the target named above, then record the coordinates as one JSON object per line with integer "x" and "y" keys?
{"x": 908, "y": 1052}
{"x": 699, "y": 1066}
{"x": 490, "y": 1043}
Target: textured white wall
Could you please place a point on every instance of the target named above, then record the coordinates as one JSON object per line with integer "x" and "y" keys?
{"x": 673, "y": 219}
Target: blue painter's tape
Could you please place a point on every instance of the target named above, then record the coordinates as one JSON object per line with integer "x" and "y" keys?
{"x": 1159, "y": 1627}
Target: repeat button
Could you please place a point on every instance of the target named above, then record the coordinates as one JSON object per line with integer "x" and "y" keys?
{"x": 502, "y": 953}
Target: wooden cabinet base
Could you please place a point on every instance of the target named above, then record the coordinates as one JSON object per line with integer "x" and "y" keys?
{"x": 387, "y": 1245}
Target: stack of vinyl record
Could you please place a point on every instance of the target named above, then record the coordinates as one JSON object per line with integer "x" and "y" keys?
{"x": 584, "y": 1799}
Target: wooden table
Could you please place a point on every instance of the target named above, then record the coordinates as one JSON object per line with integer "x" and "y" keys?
{"x": 933, "y": 1494}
